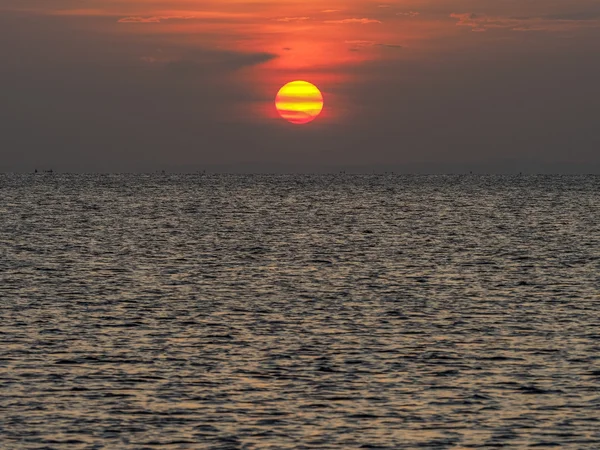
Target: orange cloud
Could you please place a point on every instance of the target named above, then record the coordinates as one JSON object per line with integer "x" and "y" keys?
{"x": 152, "y": 19}
{"x": 409, "y": 13}
{"x": 293, "y": 19}
{"x": 362, "y": 21}
{"x": 360, "y": 43}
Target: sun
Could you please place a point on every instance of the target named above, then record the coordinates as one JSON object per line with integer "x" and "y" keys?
{"x": 299, "y": 102}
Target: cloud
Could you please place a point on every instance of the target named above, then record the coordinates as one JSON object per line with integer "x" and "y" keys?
{"x": 89, "y": 12}
{"x": 359, "y": 44}
{"x": 482, "y": 22}
{"x": 362, "y": 21}
{"x": 205, "y": 61}
{"x": 409, "y": 13}
{"x": 582, "y": 15}
{"x": 152, "y": 19}
{"x": 293, "y": 19}
{"x": 201, "y": 61}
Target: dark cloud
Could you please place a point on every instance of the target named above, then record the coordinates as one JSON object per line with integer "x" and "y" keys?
{"x": 204, "y": 61}
{"x": 483, "y": 22}
{"x": 391, "y": 46}
{"x": 358, "y": 44}
{"x": 579, "y": 15}
{"x": 93, "y": 103}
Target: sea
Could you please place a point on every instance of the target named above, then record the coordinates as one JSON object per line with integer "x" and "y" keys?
{"x": 380, "y": 311}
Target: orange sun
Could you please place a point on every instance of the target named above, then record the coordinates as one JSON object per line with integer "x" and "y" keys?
{"x": 299, "y": 102}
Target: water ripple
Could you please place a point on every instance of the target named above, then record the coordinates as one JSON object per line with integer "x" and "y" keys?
{"x": 304, "y": 312}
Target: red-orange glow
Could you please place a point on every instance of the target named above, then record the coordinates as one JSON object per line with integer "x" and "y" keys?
{"x": 261, "y": 45}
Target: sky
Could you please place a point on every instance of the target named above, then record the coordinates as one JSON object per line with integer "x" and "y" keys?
{"x": 409, "y": 85}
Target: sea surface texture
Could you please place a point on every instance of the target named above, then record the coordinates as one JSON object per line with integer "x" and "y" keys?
{"x": 299, "y": 312}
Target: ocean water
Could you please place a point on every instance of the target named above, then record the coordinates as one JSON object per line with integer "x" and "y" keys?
{"x": 299, "y": 312}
